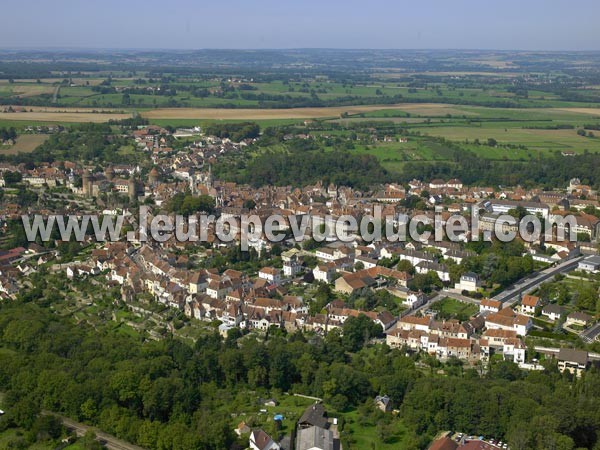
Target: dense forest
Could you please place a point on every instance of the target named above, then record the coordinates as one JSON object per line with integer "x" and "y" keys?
{"x": 551, "y": 172}
{"x": 234, "y": 131}
{"x": 7, "y": 134}
{"x": 303, "y": 162}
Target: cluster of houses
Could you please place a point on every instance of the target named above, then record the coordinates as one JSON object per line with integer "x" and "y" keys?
{"x": 336, "y": 263}
{"x": 494, "y": 330}
{"x": 532, "y": 305}
{"x": 188, "y": 168}
{"x": 237, "y": 300}
{"x": 259, "y": 302}
{"x": 496, "y": 334}
{"x": 9, "y": 274}
{"x": 230, "y": 297}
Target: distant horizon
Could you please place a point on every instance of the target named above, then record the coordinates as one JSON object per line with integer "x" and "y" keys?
{"x": 407, "y": 49}
{"x": 513, "y": 25}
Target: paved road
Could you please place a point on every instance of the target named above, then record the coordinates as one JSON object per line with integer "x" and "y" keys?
{"x": 105, "y": 439}
{"x": 510, "y": 296}
{"x": 317, "y": 399}
{"x": 55, "y": 95}
{"x": 427, "y": 304}
{"x": 591, "y": 334}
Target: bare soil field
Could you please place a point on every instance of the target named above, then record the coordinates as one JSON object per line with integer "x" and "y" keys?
{"x": 26, "y": 143}
{"x": 290, "y": 113}
{"x": 389, "y": 73}
{"x": 50, "y": 114}
{"x": 592, "y": 111}
{"x": 63, "y": 117}
{"x": 61, "y": 109}
{"x": 80, "y": 81}
{"x": 32, "y": 90}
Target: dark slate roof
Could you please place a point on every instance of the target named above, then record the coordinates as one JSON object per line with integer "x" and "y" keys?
{"x": 314, "y": 415}
{"x": 573, "y": 355}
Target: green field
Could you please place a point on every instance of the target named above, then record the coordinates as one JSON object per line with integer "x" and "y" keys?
{"x": 290, "y": 407}
{"x": 184, "y": 123}
{"x": 450, "y": 308}
{"x": 368, "y": 436}
{"x": 537, "y": 140}
{"x": 468, "y": 109}
{"x": 211, "y": 91}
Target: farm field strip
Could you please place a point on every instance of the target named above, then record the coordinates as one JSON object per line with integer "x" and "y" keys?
{"x": 26, "y": 143}
{"x": 372, "y": 111}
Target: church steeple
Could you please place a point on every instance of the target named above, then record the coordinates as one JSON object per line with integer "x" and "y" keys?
{"x": 193, "y": 185}
{"x": 209, "y": 177}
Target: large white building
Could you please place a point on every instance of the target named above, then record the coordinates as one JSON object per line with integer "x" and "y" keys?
{"x": 504, "y": 206}
{"x": 590, "y": 264}
{"x": 468, "y": 282}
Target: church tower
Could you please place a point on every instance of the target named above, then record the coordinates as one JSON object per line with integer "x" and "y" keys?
{"x": 209, "y": 181}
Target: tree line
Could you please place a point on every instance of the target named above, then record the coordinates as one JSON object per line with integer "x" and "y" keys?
{"x": 8, "y": 134}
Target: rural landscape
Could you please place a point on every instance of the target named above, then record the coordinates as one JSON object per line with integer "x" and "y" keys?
{"x": 281, "y": 247}
{"x": 491, "y": 98}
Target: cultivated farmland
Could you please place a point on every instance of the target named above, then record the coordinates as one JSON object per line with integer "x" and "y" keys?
{"x": 26, "y": 143}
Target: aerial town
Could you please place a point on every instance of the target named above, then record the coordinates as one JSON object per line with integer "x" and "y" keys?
{"x": 252, "y": 226}
{"x": 424, "y": 297}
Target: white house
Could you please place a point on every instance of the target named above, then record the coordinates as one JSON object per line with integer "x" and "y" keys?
{"x": 440, "y": 269}
{"x": 413, "y": 256}
{"x": 579, "y": 318}
{"x": 414, "y": 300}
{"x": 490, "y": 305}
{"x": 367, "y": 263}
{"x": 522, "y": 325}
{"x": 198, "y": 282}
{"x": 259, "y": 440}
{"x": 507, "y": 319}
{"x": 468, "y": 282}
{"x": 553, "y": 312}
{"x": 271, "y": 274}
{"x": 292, "y": 267}
{"x": 514, "y": 347}
{"x": 219, "y": 289}
{"x": 504, "y": 206}
{"x": 591, "y": 264}
{"x": 324, "y": 272}
{"x": 529, "y": 303}
{"x": 325, "y": 254}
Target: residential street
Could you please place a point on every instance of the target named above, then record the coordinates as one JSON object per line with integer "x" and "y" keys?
{"x": 510, "y": 296}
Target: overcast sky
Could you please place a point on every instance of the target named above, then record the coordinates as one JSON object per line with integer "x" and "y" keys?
{"x": 196, "y": 24}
